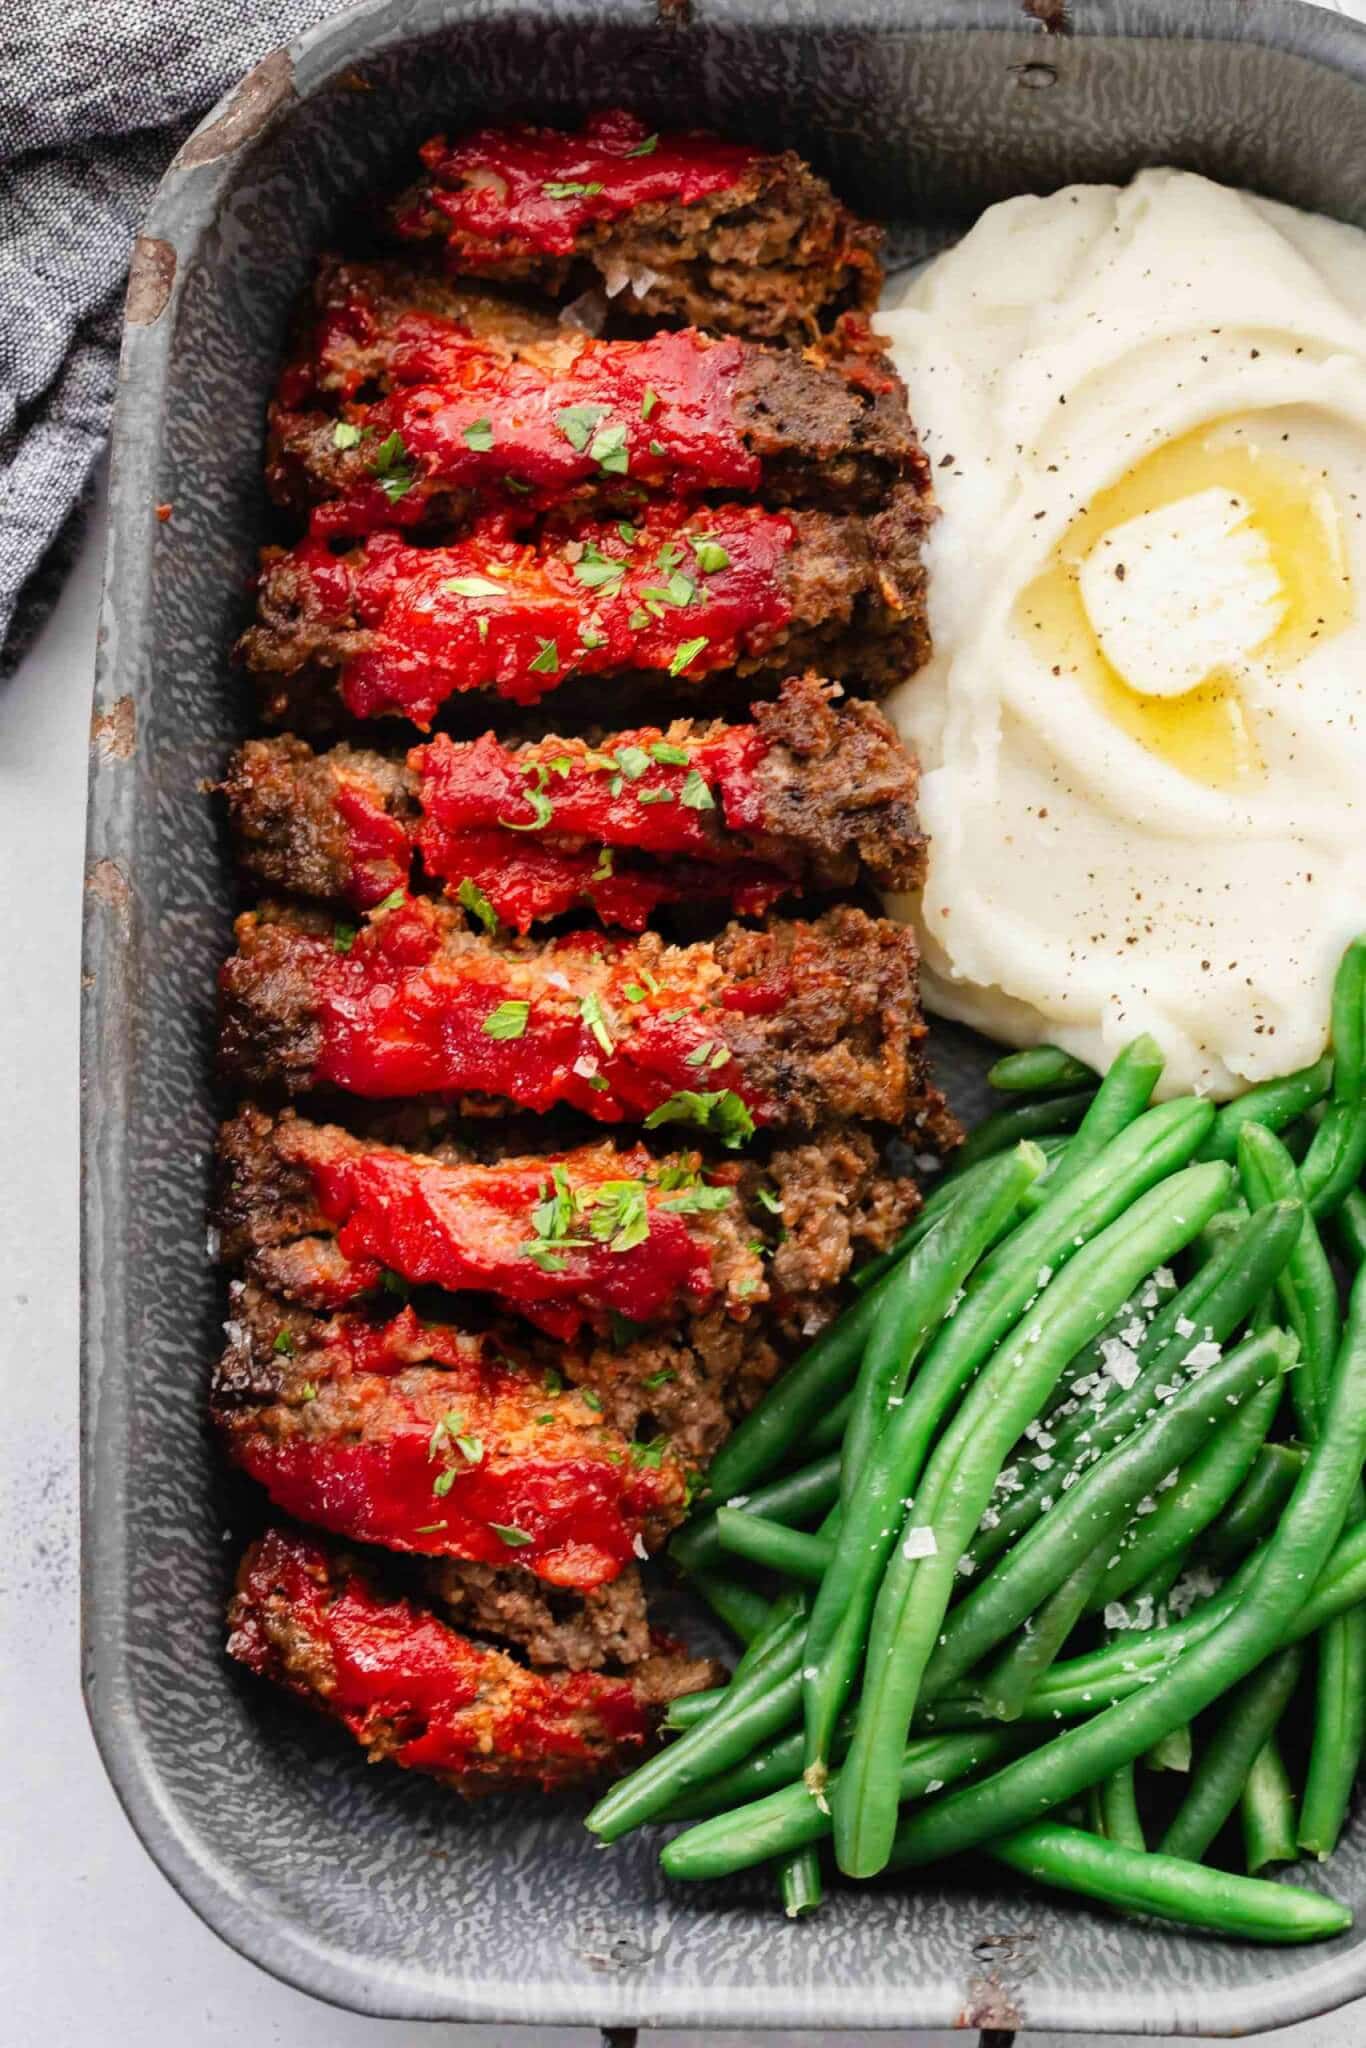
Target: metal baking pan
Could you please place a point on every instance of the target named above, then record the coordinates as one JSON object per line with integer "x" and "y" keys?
{"x": 373, "y": 1890}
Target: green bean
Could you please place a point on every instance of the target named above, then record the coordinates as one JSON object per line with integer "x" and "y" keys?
{"x": 1220, "y": 1297}
{"x": 827, "y": 1431}
{"x": 1247, "y": 1723}
{"x": 768, "y": 1769}
{"x": 789, "y": 1819}
{"x": 768, "y": 1657}
{"x": 1271, "y": 1105}
{"x": 1039, "y": 1070}
{"x": 817, "y": 1379}
{"x": 693, "y": 1707}
{"x": 770, "y": 1544}
{"x": 1339, "y": 1729}
{"x": 1268, "y": 1811}
{"x": 1292, "y": 1559}
{"x": 1337, "y": 1153}
{"x": 1205, "y": 1485}
{"x": 922, "y": 1293}
{"x": 935, "y": 1203}
{"x": 1119, "y": 1817}
{"x": 1011, "y": 1679}
{"x": 1248, "y": 1907}
{"x": 1255, "y": 1506}
{"x": 1008, "y": 1127}
{"x": 1007, "y": 1280}
{"x": 743, "y": 1611}
{"x": 1097, "y": 1507}
{"x": 1171, "y": 1752}
{"x": 1306, "y": 1285}
{"x": 1347, "y": 1028}
{"x": 793, "y": 1497}
{"x": 1351, "y": 1226}
{"x": 1121, "y": 1098}
{"x": 799, "y": 1882}
{"x": 962, "y": 1473}
{"x": 723, "y": 1739}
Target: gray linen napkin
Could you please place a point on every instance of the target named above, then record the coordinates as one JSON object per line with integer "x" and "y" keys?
{"x": 96, "y": 96}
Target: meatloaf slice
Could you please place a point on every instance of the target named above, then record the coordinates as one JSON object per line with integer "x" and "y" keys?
{"x": 574, "y": 1242}
{"x": 415, "y": 1692}
{"x": 606, "y": 1627}
{"x": 402, "y": 628}
{"x": 817, "y": 792}
{"x": 688, "y": 229}
{"x": 591, "y": 424}
{"x": 791, "y": 1026}
{"x": 424, "y": 1437}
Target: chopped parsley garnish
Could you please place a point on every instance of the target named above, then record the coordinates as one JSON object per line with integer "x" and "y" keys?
{"x": 649, "y": 1457}
{"x": 560, "y": 764}
{"x": 645, "y": 148}
{"x": 552, "y": 1381}
{"x": 654, "y": 796}
{"x": 700, "y": 1054}
{"x": 393, "y": 467}
{"x": 428, "y": 1528}
{"x": 481, "y": 625}
{"x": 686, "y": 654}
{"x": 628, "y": 532}
{"x": 590, "y": 1009}
{"x": 344, "y": 435}
{"x": 609, "y": 449}
{"x": 744, "y": 1288}
{"x": 472, "y": 898}
{"x": 669, "y": 556}
{"x": 343, "y": 937}
{"x": 507, "y": 1021}
{"x": 471, "y": 1449}
{"x": 718, "y": 1110}
{"x": 695, "y": 795}
{"x": 543, "y": 1419}
{"x": 443, "y": 1482}
{"x": 569, "y": 188}
{"x": 638, "y": 620}
{"x": 392, "y": 901}
{"x": 769, "y": 1200}
{"x": 515, "y": 483}
{"x": 542, "y": 810}
{"x": 394, "y": 1283}
{"x": 648, "y": 403}
{"x": 633, "y": 992}
{"x": 699, "y": 1201}
{"x": 547, "y": 659}
{"x": 515, "y": 1539}
{"x": 659, "y": 1379}
{"x": 711, "y": 556}
{"x": 658, "y": 448}
{"x": 577, "y": 422}
{"x": 720, "y": 1056}
{"x": 603, "y": 871}
{"x": 472, "y": 586}
{"x": 590, "y": 1400}
{"x": 284, "y": 1343}
{"x": 668, "y": 755}
{"x": 478, "y": 436}
{"x": 681, "y": 589}
{"x": 594, "y": 569}
{"x": 625, "y": 1329}
{"x": 633, "y": 762}
{"x": 590, "y": 637}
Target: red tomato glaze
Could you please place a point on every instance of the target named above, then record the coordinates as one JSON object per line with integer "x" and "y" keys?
{"x": 530, "y": 189}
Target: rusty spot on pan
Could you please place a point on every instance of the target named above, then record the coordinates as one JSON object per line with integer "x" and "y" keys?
{"x": 264, "y": 88}
{"x": 114, "y": 732}
{"x": 150, "y": 277}
{"x": 107, "y": 883}
{"x": 1051, "y": 15}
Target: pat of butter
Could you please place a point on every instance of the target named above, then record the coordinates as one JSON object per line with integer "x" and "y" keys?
{"x": 1181, "y": 592}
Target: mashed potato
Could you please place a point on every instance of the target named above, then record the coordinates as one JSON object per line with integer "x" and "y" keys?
{"x": 1143, "y": 730}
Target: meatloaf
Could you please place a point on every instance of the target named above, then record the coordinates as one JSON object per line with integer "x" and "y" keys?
{"x": 403, "y": 628}
{"x": 816, "y": 792}
{"x": 413, "y": 1691}
{"x": 686, "y": 229}
{"x": 787, "y": 1027}
{"x": 427, "y": 1438}
{"x": 590, "y": 424}
{"x": 567, "y": 1240}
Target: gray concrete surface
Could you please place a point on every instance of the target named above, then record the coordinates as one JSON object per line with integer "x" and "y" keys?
{"x": 96, "y": 1949}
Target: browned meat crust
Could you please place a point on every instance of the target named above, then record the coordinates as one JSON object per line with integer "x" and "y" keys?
{"x": 288, "y": 808}
{"x": 608, "y": 1627}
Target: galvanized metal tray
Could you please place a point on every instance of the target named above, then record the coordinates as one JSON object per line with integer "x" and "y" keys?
{"x": 371, "y": 1890}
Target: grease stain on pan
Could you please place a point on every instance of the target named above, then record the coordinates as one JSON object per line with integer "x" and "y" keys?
{"x": 265, "y": 88}
{"x": 114, "y": 732}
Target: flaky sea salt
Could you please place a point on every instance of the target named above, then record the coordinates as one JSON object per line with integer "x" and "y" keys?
{"x": 919, "y": 1542}
{"x": 1120, "y": 1361}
